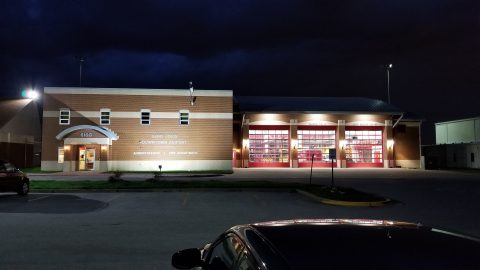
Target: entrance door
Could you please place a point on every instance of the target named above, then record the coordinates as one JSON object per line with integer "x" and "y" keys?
{"x": 81, "y": 158}
{"x": 90, "y": 159}
{"x": 86, "y": 158}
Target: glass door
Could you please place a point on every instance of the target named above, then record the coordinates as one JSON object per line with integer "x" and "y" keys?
{"x": 90, "y": 159}
{"x": 81, "y": 158}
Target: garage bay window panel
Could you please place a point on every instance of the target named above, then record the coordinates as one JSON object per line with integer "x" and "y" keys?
{"x": 316, "y": 143}
{"x": 364, "y": 147}
{"x": 269, "y": 148}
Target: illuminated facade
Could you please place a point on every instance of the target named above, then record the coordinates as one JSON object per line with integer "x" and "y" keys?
{"x": 301, "y": 132}
{"x": 98, "y": 129}
{"x": 109, "y": 129}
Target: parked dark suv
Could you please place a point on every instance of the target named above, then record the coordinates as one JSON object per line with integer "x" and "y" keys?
{"x": 333, "y": 244}
{"x": 12, "y": 179}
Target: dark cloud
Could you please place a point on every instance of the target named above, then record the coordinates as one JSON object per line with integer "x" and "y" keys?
{"x": 282, "y": 47}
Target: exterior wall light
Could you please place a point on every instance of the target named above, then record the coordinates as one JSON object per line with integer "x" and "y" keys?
{"x": 66, "y": 147}
{"x": 390, "y": 144}
{"x": 245, "y": 143}
{"x": 104, "y": 148}
{"x": 294, "y": 144}
{"x": 342, "y": 143}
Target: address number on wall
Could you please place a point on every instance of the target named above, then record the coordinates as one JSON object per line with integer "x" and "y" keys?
{"x": 86, "y": 134}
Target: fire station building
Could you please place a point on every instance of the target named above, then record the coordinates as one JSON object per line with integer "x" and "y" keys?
{"x": 108, "y": 129}
{"x": 305, "y": 131}
{"x": 136, "y": 129}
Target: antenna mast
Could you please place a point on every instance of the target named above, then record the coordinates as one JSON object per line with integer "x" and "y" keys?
{"x": 81, "y": 59}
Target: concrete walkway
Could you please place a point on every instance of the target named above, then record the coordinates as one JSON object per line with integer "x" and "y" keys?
{"x": 277, "y": 174}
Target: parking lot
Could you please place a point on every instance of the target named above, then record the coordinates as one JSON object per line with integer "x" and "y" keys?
{"x": 132, "y": 230}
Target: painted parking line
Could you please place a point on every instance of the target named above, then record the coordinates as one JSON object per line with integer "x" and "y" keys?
{"x": 39, "y": 198}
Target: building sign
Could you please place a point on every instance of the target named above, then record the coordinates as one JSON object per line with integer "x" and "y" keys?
{"x": 163, "y": 139}
{"x": 86, "y": 134}
{"x": 164, "y": 145}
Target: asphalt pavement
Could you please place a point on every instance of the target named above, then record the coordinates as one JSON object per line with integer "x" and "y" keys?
{"x": 132, "y": 230}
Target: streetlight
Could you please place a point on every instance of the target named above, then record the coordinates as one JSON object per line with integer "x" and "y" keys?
{"x": 30, "y": 93}
{"x": 389, "y": 66}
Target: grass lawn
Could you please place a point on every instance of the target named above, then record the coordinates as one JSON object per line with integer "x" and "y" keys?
{"x": 337, "y": 193}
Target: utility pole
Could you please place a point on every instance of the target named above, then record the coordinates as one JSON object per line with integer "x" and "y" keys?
{"x": 389, "y": 67}
{"x": 81, "y": 59}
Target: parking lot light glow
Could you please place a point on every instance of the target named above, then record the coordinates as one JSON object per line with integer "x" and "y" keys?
{"x": 30, "y": 93}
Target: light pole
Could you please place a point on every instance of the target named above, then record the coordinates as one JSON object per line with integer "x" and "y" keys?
{"x": 389, "y": 66}
{"x": 81, "y": 60}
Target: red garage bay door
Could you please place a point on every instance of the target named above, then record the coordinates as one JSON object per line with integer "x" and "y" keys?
{"x": 316, "y": 142}
{"x": 364, "y": 147}
{"x": 269, "y": 146}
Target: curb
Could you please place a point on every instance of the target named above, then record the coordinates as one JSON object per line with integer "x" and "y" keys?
{"x": 160, "y": 190}
{"x": 343, "y": 203}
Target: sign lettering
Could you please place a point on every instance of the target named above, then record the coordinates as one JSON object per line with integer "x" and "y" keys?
{"x": 86, "y": 134}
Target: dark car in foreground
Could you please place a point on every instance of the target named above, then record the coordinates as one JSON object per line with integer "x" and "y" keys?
{"x": 12, "y": 179}
{"x": 333, "y": 244}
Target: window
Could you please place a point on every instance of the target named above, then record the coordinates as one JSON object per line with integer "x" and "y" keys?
{"x": 316, "y": 143}
{"x": 472, "y": 157}
{"x": 364, "y": 146}
{"x": 64, "y": 118}
{"x": 225, "y": 253}
{"x": 184, "y": 116}
{"x": 269, "y": 146}
{"x": 105, "y": 116}
{"x": 61, "y": 155}
{"x": 7, "y": 167}
{"x": 145, "y": 117}
{"x": 245, "y": 263}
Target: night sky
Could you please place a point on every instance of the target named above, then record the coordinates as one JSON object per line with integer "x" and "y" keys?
{"x": 289, "y": 48}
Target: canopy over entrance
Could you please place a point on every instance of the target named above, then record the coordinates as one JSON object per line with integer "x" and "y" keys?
{"x": 84, "y": 134}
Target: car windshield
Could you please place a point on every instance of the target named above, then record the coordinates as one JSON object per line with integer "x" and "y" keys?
{"x": 7, "y": 167}
{"x": 360, "y": 247}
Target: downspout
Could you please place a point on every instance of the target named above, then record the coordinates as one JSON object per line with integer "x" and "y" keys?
{"x": 393, "y": 147}
{"x": 241, "y": 140}
{"x": 396, "y": 123}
